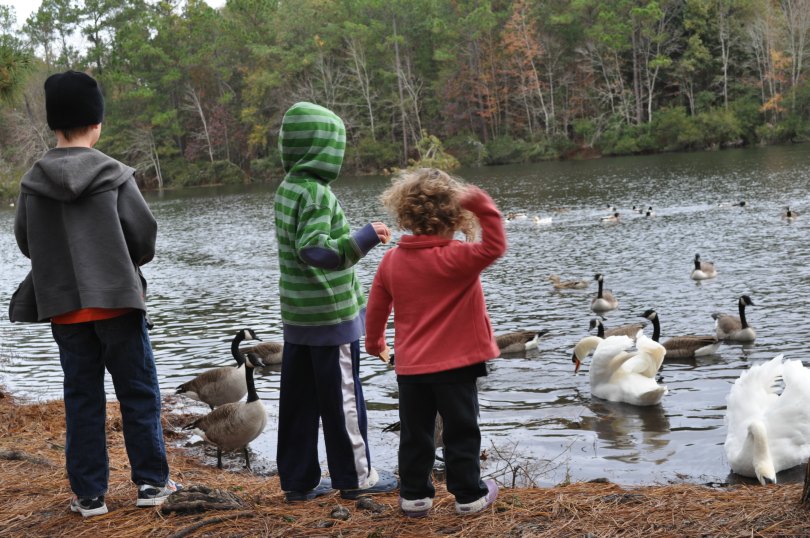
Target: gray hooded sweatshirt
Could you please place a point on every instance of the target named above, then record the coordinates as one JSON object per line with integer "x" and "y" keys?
{"x": 86, "y": 228}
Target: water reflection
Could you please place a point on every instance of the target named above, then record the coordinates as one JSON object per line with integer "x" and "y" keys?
{"x": 216, "y": 272}
{"x": 628, "y": 427}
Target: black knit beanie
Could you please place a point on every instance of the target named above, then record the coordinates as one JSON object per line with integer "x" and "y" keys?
{"x": 73, "y": 99}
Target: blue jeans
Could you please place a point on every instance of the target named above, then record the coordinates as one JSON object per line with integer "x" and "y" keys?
{"x": 121, "y": 345}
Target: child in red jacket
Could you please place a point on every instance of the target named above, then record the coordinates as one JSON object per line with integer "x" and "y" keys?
{"x": 443, "y": 334}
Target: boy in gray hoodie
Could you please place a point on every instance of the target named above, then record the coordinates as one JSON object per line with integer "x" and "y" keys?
{"x": 87, "y": 230}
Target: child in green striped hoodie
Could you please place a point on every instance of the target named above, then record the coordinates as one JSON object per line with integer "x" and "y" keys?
{"x": 323, "y": 313}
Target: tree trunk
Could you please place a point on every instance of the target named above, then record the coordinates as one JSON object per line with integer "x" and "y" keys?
{"x": 403, "y": 118}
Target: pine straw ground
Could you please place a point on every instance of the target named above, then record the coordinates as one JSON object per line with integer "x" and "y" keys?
{"x": 35, "y": 494}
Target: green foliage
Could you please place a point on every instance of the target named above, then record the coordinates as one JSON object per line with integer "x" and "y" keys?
{"x": 507, "y": 150}
{"x": 675, "y": 130}
{"x": 718, "y": 127}
{"x": 372, "y": 155}
{"x": 267, "y": 169}
{"x": 179, "y": 173}
{"x": 432, "y": 154}
{"x": 467, "y": 149}
{"x": 185, "y": 83}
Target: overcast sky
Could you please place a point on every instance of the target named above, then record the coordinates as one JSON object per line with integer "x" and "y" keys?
{"x": 24, "y": 8}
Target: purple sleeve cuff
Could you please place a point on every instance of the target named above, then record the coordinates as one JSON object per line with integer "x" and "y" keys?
{"x": 366, "y": 239}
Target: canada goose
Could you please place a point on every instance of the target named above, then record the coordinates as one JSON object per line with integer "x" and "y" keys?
{"x": 735, "y": 328}
{"x": 617, "y": 375}
{"x": 649, "y": 212}
{"x": 568, "y": 284}
{"x": 234, "y": 425}
{"x": 768, "y": 431}
{"x": 631, "y": 329}
{"x": 703, "y": 270}
{"x": 789, "y": 214}
{"x": 221, "y": 385}
{"x": 639, "y": 210}
{"x": 269, "y": 352}
{"x": 612, "y": 218}
{"x": 518, "y": 341}
{"x": 682, "y": 347}
{"x": 604, "y": 300}
{"x": 438, "y": 432}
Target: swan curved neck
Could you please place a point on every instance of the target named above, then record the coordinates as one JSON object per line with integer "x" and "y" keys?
{"x": 763, "y": 464}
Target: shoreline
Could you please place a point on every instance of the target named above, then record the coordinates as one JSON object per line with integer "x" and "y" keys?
{"x": 37, "y": 492}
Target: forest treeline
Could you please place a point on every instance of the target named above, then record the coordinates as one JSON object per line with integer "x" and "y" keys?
{"x": 195, "y": 95}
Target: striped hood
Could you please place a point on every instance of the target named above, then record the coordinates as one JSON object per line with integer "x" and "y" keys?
{"x": 312, "y": 141}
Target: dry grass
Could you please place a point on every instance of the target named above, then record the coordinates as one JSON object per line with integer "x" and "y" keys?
{"x": 35, "y": 495}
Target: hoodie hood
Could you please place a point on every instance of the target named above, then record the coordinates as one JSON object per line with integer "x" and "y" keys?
{"x": 65, "y": 174}
{"x": 312, "y": 141}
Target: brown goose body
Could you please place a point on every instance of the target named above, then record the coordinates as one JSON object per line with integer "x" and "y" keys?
{"x": 269, "y": 352}
{"x": 604, "y": 300}
{"x": 735, "y": 328}
{"x": 631, "y": 329}
{"x": 233, "y": 426}
{"x": 517, "y": 341}
{"x": 567, "y": 284}
{"x": 682, "y": 347}
{"x": 221, "y": 385}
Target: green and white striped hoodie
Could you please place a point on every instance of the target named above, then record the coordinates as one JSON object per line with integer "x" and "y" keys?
{"x": 321, "y": 299}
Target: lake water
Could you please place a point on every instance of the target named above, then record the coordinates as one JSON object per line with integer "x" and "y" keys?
{"x": 216, "y": 272}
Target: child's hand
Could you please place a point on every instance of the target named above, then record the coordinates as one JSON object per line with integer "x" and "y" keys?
{"x": 385, "y": 354}
{"x": 382, "y": 232}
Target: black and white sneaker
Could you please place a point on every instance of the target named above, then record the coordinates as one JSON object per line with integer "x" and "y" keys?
{"x": 88, "y": 506}
{"x": 149, "y": 495}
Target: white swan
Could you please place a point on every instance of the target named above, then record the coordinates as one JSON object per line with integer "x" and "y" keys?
{"x": 621, "y": 376}
{"x": 768, "y": 432}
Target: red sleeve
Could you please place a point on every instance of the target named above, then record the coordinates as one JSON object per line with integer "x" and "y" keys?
{"x": 380, "y": 303}
{"x": 472, "y": 258}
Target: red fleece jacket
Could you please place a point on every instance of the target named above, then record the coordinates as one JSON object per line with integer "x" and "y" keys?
{"x": 433, "y": 285}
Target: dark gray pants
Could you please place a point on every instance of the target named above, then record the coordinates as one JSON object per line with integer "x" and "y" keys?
{"x": 457, "y": 403}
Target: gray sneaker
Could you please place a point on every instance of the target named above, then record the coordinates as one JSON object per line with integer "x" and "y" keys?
{"x": 149, "y": 495}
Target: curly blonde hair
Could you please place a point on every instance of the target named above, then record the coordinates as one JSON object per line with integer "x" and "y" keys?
{"x": 426, "y": 202}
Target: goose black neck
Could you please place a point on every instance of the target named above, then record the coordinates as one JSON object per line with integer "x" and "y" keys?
{"x": 743, "y": 322}
{"x": 237, "y": 355}
{"x": 697, "y": 264}
{"x": 601, "y": 283}
{"x": 600, "y": 330}
{"x": 656, "y": 327}
{"x": 252, "y": 396}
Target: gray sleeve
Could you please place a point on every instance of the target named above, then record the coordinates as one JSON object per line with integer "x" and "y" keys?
{"x": 21, "y": 226}
{"x": 137, "y": 222}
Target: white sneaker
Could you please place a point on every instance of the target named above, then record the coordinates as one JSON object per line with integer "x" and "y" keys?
{"x": 416, "y": 508}
{"x": 482, "y": 503}
{"x": 149, "y": 495}
{"x": 88, "y": 507}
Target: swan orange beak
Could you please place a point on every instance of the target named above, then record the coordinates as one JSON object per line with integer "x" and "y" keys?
{"x": 577, "y": 362}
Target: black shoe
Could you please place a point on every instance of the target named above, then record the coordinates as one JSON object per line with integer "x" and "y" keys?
{"x": 386, "y": 483}
{"x": 324, "y": 488}
{"x": 88, "y": 506}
